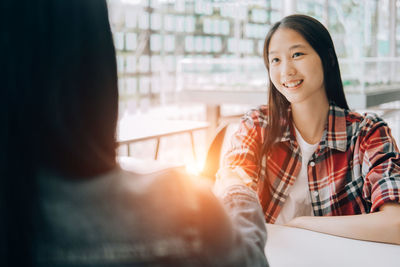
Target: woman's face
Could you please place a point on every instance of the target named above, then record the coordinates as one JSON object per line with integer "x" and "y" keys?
{"x": 295, "y": 68}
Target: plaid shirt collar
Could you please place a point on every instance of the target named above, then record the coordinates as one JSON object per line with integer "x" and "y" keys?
{"x": 334, "y": 132}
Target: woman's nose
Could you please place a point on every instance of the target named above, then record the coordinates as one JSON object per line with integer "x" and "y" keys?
{"x": 287, "y": 68}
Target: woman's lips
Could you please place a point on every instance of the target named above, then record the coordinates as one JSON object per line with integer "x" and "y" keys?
{"x": 292, "y": 84}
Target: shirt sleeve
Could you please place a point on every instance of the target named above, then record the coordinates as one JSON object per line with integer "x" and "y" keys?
{"x": 380, "y": 163}
{"x": 235, "y": 228}
{"x": 243, "y": 156}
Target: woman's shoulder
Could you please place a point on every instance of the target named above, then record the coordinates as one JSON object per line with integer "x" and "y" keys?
{"x": 364, "y": 124}
{"x": 363, "y": 118}
{"x": 257, "y": 116}
{"x": 261, "y": 110}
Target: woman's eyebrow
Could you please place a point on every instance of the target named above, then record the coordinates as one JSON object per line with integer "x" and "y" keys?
{"x": 297, "y": 46}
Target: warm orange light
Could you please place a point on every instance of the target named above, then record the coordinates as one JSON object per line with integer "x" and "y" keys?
{"x": 194, "y": 167}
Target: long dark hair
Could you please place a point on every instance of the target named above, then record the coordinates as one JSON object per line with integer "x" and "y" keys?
{"x": 319, "y": 38}
{"x": 59, "y": 105}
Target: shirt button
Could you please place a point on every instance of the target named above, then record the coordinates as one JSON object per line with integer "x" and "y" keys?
{"x": 312, "y": 163}
{"x": 315, "y": 193}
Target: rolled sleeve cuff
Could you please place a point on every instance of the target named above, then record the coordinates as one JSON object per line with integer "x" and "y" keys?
{"x": 387, "y": 191}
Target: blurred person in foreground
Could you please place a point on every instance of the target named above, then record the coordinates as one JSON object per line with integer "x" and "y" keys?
{"x": 64, "y": 199}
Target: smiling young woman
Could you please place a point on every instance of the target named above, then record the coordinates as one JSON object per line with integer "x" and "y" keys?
{"x": 312, "y": 160}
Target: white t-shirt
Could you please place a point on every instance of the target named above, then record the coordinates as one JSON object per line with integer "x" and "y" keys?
{"x": 298, "y": 203}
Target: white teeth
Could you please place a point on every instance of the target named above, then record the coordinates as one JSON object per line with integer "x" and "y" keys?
{"x": 292, "y": 84}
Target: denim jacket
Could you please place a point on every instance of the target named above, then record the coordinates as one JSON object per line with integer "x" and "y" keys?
{"x": 156, "y": 219}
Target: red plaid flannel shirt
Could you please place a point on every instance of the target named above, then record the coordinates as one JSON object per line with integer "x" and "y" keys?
{"x": 354, "y": 170}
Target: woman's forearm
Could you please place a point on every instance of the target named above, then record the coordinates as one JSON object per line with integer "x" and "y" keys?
{"x": 382, "y": 226}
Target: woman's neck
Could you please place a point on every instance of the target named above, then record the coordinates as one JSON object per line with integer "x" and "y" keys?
{"x": 310, "y": 119}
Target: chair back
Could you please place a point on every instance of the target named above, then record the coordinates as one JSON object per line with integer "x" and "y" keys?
{"x": 212, "y": 162}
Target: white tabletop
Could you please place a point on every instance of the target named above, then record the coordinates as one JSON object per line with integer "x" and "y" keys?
{"x": 287, "y": 246}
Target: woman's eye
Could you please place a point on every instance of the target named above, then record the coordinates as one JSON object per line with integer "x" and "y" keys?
{"x": 297, "y": 54}
{"x": 274, "y": 60}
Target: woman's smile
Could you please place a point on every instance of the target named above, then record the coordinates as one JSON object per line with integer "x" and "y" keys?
{"x": 293, "y": 84}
